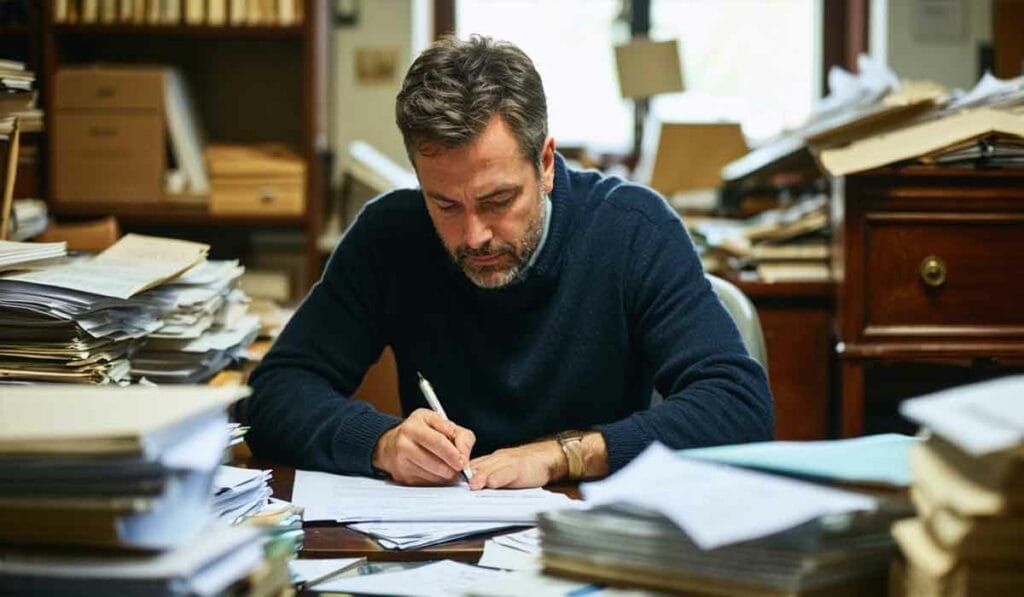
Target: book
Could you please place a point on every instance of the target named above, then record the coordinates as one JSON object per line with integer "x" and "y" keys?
{"x": 102, "y": 420}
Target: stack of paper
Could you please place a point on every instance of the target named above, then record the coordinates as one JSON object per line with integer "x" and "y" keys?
{"x": 50, "y": 334}
{"x": 239, "y": 492}
{"x": 514, "y": 551}
{"x": 126, "y": 467}
{"x": 16, "y": 255}
{"x": 670, "y": 523}
{"x": 968, "y": 486}
{"x": 402, "y": 517}
{"x": 17, "y": 99}
{"x": 205, "y": 329}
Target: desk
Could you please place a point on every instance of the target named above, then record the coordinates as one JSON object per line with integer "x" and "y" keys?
{"x": 329, "y": 540}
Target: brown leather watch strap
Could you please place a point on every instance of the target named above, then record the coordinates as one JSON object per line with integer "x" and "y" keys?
{"x": 572, "y": 445}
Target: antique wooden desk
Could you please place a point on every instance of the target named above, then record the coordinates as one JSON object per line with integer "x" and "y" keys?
{"x": 930, "y": 268}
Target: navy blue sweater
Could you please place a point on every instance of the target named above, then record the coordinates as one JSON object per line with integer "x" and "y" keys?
{"x": 614, "y": 306}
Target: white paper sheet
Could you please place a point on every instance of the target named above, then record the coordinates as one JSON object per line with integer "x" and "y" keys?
{"x": 440, "y": 579}
{"x": 718, "y": 505}
{"x": 359, "y": 499}
{"x": 980, "y": 418}
{"x": 414, "y": 535}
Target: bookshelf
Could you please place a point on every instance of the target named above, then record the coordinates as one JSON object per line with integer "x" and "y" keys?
{"x": 248, "y": 84}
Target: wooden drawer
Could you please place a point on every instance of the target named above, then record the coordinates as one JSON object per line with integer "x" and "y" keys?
{"x": 976, "y": 265}
{"x": 258, "y": 197}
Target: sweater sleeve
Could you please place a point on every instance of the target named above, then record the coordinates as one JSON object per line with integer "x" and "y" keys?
{"x": 715, "y": 393}
{"x": 300, "y": 411}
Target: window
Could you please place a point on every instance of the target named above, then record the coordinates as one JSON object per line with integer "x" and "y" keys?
{"x": 753, "y": 61}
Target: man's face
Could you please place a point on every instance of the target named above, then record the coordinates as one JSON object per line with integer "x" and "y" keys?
{"x": 487, "y": 202}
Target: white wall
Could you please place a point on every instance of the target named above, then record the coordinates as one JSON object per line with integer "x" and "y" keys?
{"x": 366, "y": 111}
{"x": 952, "y": 63}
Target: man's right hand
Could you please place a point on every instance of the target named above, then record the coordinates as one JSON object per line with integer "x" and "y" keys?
{"x": 424, "y": 449}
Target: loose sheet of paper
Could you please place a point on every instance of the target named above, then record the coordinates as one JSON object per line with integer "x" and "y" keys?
{"x": 359, "y": 499}
{"x": 414, "y": 535}
{"x": 131, "y": 265}
{"x": 980, "y": 418}
{"x": 718, "y": 505}
{"x": 440, "y": 579}
{"x": 515, "y": 551}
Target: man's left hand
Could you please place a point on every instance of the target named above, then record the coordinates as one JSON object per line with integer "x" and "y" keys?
{"x": 529, "y": 465}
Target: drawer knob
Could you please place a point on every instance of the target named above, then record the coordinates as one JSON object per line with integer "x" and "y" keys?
{"x": 933, "y": 271}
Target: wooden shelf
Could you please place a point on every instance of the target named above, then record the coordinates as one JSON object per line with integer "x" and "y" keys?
{"x": 13, "y": 30}
{"x": 169, "y": 213}
{"x": 207, "y": 31}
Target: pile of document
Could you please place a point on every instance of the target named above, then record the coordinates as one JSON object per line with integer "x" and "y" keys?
{"x": 400, "y": 517}
{"x": 51, "y": 334}
{"x": 239, "y": 492}
{"x": 21, "y": 255}
{"x": 109, "y": 490}
{"x": 968, "y": 487}
{"x": 146, "y": 307}
{"x": 780, "y": 244}
{"x": 205, "y": 325}
{"x": 674, "y": 524}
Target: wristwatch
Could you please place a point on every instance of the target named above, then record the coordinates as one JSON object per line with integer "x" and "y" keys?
{"x": 572, "y": 445}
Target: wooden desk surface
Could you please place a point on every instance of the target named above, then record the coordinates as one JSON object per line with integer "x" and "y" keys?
{"x": 331, "y": 540}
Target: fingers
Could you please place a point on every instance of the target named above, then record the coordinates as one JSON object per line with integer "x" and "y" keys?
{"x": 493, "y": 473}
{"x": 464, "y": 441}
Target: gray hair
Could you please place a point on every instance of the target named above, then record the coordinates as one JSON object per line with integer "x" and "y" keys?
{"x": 454, "y": 88}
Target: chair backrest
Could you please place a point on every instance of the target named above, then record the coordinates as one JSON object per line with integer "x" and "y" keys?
{"x": 745, "y": 316}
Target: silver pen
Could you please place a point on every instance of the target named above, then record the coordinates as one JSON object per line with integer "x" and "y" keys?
{"x": 435, "y": 405}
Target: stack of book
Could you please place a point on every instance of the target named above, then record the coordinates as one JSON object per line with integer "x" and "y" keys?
{"x": 108, "y": 490}
{"x": 17, "y": 98}
{"x": 968, "y": 487}
{"x": 780, "y": 244}
{"x": 673, "y": 524}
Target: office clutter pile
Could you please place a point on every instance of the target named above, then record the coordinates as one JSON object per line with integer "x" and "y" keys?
{"x": 968, "y": 487}
{"x": 776, "y": 195}
{"x": 114, "y": 495}
{"x": 146, "y": 308}
{"x": 676, "y": 524}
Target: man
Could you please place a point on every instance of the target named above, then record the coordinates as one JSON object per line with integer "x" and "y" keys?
{"x": 544, "y": 304}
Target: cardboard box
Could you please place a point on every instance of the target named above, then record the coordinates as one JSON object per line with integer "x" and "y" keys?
{"x": 690, "y": 156}
{"x": 109, "y": 135}
{"x": 261, "y": 179}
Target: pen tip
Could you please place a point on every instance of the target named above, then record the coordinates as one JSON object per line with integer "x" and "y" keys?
{"x": 419, "y": 376}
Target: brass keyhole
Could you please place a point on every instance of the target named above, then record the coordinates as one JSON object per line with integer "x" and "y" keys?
{"x": 933, "y": 271}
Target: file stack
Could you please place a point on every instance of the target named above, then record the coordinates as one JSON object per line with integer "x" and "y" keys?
{"x": 79, "y": 321}
{"x": 109, "y": 490}
{"x": 968, "y": 487}
{"x": 206, "y": 325}
{"x": 239, "y": 492}
{"x": 673, "y": 524}
{"x": 50, "y": 334}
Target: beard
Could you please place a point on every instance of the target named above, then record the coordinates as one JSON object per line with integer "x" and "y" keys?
{"x": 518, "y": 254}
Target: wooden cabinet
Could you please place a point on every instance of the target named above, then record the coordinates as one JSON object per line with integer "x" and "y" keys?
{"x": 930, "y": 264}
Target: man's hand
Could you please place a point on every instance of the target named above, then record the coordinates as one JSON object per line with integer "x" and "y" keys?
{"x": 425, "y": 449}
{"x": 529, "y": 465}
{"x": 537, "y": 464}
